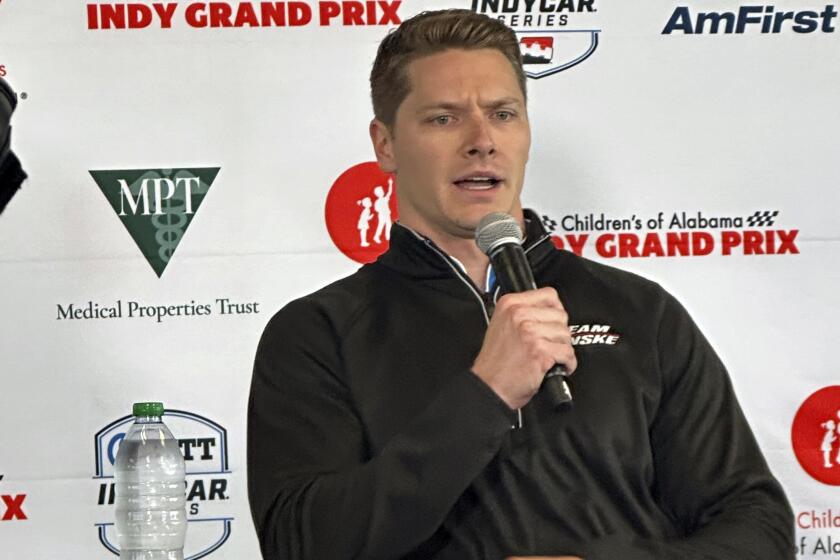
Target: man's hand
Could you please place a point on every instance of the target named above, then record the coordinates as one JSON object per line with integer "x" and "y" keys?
{"x": 528, "y": 334}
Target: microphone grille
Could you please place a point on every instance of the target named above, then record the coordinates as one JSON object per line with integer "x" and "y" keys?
{"x": 496, "y": 228}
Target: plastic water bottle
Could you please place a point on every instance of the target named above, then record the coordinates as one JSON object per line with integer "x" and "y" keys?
{"x": 151, "y": 506}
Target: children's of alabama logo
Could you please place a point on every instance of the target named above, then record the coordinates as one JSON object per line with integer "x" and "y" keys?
{"x": 816, "y": 435}
{"x": 360, "y": 210}
{"x": 156, "y": 206}
{"x": 673, "y": 234}
{"x": 204, "y": 445}
{"x": 554, "y": 35}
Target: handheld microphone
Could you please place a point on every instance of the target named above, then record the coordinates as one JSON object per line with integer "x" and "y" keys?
{"x": 499, "y": 237}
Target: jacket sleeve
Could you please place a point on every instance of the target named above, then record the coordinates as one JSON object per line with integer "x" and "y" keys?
{"x": 315, "y": 492}
{"x": 711, "y": 477}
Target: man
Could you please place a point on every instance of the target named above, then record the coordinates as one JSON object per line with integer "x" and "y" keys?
{"x": 396, "y": 412}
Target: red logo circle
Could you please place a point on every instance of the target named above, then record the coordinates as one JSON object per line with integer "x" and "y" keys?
{"x": 361, "y": 208}
{"x": 816, "y": 435}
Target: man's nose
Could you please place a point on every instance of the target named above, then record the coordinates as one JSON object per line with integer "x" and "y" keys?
{"x": 480, "y": 138}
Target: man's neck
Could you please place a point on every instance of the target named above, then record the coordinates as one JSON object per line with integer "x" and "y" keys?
{"x": 463, "y": 249}
{"x": 466, "y": 252}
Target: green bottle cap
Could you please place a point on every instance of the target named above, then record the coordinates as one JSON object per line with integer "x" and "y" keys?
{"x": 148, "y": 409}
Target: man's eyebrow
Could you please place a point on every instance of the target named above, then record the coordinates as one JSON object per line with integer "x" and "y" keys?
{"x": 496, "y": 103}
{"x": 452, "y": 106}
{"x": 438, "y": 105}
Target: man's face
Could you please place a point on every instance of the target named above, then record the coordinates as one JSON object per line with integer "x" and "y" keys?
{"x": 459, "y": 142}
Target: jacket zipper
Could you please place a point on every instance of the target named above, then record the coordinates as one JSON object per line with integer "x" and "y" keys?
{"x": 466, "y": 280}
{"x": 460, "y": 274}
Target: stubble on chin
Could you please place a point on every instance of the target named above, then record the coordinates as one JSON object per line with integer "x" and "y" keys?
{"x": 464, "y": 226}
{"x": 459, "y": 230}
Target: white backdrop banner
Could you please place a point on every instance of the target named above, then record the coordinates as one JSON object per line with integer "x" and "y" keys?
{"x": 196, "y": 165}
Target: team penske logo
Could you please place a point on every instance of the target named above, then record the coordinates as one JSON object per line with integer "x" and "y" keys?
{"x": 594, "y": 334}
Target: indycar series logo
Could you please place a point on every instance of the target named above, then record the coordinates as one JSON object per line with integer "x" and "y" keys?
{"x": 205, "y": 447}
{"x": 554, "y": 35}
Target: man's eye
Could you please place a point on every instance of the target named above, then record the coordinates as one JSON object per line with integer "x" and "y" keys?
{"x": 442, "y": 119}
{"x": 504, "y": 115}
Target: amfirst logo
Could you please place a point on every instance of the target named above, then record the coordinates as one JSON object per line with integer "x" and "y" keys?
{"x": 762, "y": 20}
{"x": 12, "y": 506}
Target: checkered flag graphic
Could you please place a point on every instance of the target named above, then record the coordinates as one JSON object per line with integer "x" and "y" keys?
{"x": 762, "y": 218}
{"x": 549, "y": 223}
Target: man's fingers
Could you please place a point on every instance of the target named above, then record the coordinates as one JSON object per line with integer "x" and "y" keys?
{"x": 527, "y": 335}
{"x": 521, "y": 313}
{"x": 555, "y": 332}
{"x": 565, "y": 356}
{"x": 545, "y": 297}
{"x": 550, "y": 353}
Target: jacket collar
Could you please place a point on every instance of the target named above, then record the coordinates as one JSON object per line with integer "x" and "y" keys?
{"x": 415, "y": 255}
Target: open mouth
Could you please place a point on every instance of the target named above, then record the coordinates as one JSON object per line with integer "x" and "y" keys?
{"x": 478, "y": 182}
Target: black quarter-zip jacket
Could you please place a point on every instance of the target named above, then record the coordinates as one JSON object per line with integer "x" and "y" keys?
{"x": 369, "y": 437}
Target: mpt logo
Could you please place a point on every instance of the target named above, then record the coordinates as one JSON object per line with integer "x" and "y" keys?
{"x": 156, "y": 206}
{"x": 204, "y": 445}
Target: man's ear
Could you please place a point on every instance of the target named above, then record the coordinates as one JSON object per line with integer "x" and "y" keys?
{"x": 383, "y": 145}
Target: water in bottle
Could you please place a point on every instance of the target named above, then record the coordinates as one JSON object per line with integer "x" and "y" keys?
{"x": 149, "y": 472}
